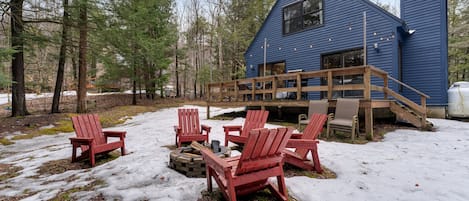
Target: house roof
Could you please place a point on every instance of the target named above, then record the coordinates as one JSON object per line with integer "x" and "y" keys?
{"x": 372, "y": 5}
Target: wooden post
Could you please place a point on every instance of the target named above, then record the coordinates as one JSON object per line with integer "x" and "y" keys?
{"x": 298, "y": 86}
{"x": 423, "y": 101}
{"x": 386, "y": 86}
{"x": 274, "y": 88}
{"x": 236, "y": 90}
{"x": 368, "y": 106}
{"x": 208, "y": 111}
{"x": 369, "y": 120}
{"x": 329, "y": 85}
{"x": 367, "y": 83}
{"x": 253, "y": 90}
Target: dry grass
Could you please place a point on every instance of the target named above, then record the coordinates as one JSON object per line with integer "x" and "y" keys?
{"x": 5, "y": 141}
{"x": 67, "y": 194}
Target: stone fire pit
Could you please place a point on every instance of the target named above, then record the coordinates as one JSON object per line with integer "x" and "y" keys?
{"x": 188, "y": 160}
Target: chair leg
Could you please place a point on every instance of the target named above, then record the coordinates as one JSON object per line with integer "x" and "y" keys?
{"x": 315, "y": 157}
{"x": 231, "y": 192}
{"x": 92, "y": 159}
{"x": 282, "y": 187}
{"x": 74, "y": 153}
{"x": 327, "y": 131}
{"x": 209, "y": 179}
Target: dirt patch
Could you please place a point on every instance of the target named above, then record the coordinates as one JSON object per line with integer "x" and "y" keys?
{"x": 67, "y": 194}
{"x": 291, "y": 171}
{"x": 8, "y": 171}
{"x": 217, "y": 195}
{"x": 63, "y": 165}
{"x": 27, "y": 123}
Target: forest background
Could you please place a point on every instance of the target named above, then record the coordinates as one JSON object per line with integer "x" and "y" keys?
{"x": 166, "y": 47}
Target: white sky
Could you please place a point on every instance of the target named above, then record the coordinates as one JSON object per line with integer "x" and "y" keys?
{"x": 407, "y": 165}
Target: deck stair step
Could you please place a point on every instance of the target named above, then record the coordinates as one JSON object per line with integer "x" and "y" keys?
{"x": 406, "y": 114}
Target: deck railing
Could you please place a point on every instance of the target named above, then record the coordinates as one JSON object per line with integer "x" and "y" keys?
{"x": 268, "y": 87}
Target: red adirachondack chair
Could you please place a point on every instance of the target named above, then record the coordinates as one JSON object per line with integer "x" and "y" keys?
{"x": 189, "y": 128}
{"x": 254, "y": 119}
{"x": 92, "y": 139}
{"x": 261, "y": 158}
{"x": 306, "y": 142}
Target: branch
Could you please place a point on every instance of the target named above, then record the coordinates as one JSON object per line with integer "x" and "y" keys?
{"x": 41, "y": 21}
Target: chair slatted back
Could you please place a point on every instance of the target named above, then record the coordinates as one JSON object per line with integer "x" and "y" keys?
{"x": 263, "y": 149}
{"x": 346, "y": 108}
{"x": 254, "y": 119}
{"x": 88, "y": 126}
{"x": 189, "y": 121}
{"x": 312, "y": 130}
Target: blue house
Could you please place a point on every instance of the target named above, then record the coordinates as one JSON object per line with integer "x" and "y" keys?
{"x": 311, "y": 35}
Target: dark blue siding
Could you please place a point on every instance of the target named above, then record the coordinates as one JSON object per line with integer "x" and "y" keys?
{"x": 425, "y": 52}
{"x": 303, "y": 50}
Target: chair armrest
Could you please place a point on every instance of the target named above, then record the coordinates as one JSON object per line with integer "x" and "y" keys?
{"x": 296, "y": 136}
{"x": 233, "y": 128}
{"x": 81, "y": 140}
{"x": 114, "y": 133}
{"x": 296, "y": 143}
{"x": 215, "y": 162}
{"x": 205, "y": 128}
{"x": 177, "y": 129}
{"x": 302, "y": 117}
{"x": 330, "y": 116}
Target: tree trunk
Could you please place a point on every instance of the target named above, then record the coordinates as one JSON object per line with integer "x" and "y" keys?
{"x": 178, "y": 91}
{"x": 17, "y": 63}
{"x": 62, "y": 58}
{"x": 134, "y": 85}
{"x": 83, "y": 26}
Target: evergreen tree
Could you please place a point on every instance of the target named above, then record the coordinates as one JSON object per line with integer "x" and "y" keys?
{"x": 138, "y": 37}
{"x": 458, "y": 15}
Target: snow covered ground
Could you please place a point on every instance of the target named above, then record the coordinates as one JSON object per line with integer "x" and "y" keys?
{"x": 406, "y": 165}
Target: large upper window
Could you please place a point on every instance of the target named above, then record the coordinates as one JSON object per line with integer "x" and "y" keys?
{"x": 302, "y": 15}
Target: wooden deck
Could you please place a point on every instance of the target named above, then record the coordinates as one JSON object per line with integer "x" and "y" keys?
{"x": 238, "y": 93}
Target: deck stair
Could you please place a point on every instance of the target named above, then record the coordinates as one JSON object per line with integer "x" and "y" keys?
{"x": 406, "y": 114}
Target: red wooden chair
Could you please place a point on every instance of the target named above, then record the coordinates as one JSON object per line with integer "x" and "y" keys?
{"x": 306, "y": 142}
{"x": 254, "y": 119}
{"x": 92, "y": 139}
{"x": 189, "y": 128}
{"x": 261, "y": 158}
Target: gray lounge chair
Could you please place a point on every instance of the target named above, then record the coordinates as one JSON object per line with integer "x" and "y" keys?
{"x": 345, "y": 118}
{"x": 315, "y": 106}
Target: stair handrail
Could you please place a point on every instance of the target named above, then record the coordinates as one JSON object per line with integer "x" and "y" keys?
{"x": 409, "y": 87}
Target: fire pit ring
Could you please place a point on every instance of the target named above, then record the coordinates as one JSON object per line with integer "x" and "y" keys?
{"x": 189, "y": 161}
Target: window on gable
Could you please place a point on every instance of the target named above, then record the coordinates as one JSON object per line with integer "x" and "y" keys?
{"x": 302, "y": 15}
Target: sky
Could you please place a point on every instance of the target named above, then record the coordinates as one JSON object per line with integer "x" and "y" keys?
{"x": 406, "y": 165}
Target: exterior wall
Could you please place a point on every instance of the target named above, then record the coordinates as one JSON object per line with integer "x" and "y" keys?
{"x": 424, "y": 61}
{"x": 342, "y": 30}
{"x": 425, "y": 52}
